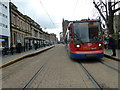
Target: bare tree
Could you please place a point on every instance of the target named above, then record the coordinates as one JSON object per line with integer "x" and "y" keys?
{"x": 109, "y": 10}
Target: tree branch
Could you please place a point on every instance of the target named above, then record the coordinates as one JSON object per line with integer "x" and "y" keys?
{"x": 106, "y": 9}
{"x": 100, "y": 12}
{"x": 114, "y": 11}
{"x": 115, "y": 3}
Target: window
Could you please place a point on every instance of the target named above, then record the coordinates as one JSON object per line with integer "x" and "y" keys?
{"x": 0, "y": 3}
{"x": 5, "y": 16}
{"x": 0, "y": 24}
{"x": 0, "y": 14}
{"x": 6, "y": 26}
{"x": 18, "y": 20}
{"x": 5, "y": 7}
{"x": 3, "y": 25}
{"x": 14, "y": 19}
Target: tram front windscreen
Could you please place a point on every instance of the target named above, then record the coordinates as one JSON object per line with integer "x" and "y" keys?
{"x": 87, "y": 32}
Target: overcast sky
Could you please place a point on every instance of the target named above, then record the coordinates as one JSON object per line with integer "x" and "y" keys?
{"x": 50, "y": 13}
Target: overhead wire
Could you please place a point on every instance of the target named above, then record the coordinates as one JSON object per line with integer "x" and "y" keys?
{"x": 47, "y": 13}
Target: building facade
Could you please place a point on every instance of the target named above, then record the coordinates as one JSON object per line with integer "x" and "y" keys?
{"x": 64, "y": 26}
{"x": 26, "y": 31}
{"x": 61, "y": 37}
{"x": 4, "y": 24}
{"x": 53, "y": 38}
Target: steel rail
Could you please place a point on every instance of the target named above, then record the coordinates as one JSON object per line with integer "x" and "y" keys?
{"x": 91, "y": 77}
{"x": 34, "y": 76}
{"x": 112, "y": 58}
{"x": 117, "y": 70}
{"x": 4, "y": 76}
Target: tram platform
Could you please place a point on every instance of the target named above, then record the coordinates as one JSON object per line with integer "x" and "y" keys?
{"x": 108, "y": 52}
{"x": 11, "y": 58}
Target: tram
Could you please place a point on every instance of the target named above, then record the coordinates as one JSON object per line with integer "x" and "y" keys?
{"x": 84, "y": 39}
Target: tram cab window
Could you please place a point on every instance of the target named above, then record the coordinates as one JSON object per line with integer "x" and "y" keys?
{"x": 94, "y": 32}
{"x": 87, "y": 32}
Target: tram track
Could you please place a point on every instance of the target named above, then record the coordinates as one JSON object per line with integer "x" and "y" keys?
{"x": 22, "y": 69}
{"x": 22, "y": 65}
{"x": 99, "y": 81}
{"x": 97, "y": 85}
{"x": 34, "y": 77}
{"x": 109, "y": 66}
{"x": 112, "y": 58}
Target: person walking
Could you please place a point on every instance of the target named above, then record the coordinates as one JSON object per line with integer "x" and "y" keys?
{"x": 19, "y": 47}
{"x": 35, "y": 45}
{"x": 5, "y": 50}
{"x": 12, "y": 49}
{"x": 112, "y": 44}
{"x": 106, "y": 43}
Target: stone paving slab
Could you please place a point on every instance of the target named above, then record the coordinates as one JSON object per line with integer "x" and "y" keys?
{"x": 14, "y": 58}
{"x": 108, "y": 52}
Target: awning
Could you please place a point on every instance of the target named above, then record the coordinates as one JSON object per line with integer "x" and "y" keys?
{"x": 31, "y": 37}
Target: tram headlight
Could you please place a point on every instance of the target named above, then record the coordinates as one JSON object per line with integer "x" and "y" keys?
{"x": 77, "y": 46}
{"x": 99, "y": 44}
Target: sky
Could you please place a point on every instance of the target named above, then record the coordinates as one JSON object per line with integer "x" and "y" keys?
{"x": 50, "y": 13}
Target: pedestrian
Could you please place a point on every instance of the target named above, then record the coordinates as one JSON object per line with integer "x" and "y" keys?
{"x": 106, "y": 43}
{"x": 5, "y": 50}
{"x": 35, "y": 45}
{"x": 112, "y": 45}
{"x": 19, "y": 47}
{"x": 12, "y": 49}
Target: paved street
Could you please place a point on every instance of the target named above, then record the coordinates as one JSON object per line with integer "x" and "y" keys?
{"x": 109, "y": 52}
{"x": 40, "y": 38}
{"x": 9, "y": 57}
{"x": 59, "y": 71}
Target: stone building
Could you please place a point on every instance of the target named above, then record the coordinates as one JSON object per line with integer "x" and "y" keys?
{"x": 26, "y": 31}
{"x": 53, "y": 38}
{"x": 64, "y": 26}
{"x": 19, "y": 26}
{"x": 61, "y": 37}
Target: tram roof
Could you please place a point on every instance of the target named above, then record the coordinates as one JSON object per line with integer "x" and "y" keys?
{"x": 86, "y": 20}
